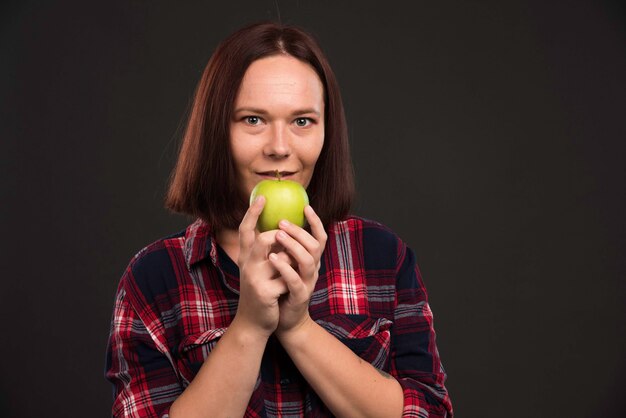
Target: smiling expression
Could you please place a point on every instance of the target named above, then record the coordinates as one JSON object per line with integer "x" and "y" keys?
{"x": 278, "y": 122}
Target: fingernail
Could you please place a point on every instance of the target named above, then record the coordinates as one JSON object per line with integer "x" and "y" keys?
{"x": 273, "y": 256}
{"x": 281, "y": 234}
{"x": 255, "y": 202}
{"x": 284, "y": 223}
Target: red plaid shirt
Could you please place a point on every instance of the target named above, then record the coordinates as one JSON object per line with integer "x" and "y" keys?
{"x": 179, "y": 294}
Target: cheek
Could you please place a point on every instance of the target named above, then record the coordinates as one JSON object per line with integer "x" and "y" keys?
{"x": 241, "y": 152}
{"x": 317, "y": 149}
{"x": 241, "y": 160}
{"x": 312, "y": 155}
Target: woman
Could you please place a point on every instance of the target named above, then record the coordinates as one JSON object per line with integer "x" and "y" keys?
{"x": 222, "y": 320}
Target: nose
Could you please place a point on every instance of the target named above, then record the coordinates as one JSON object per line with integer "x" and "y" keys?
{"x": 279, "y": 142}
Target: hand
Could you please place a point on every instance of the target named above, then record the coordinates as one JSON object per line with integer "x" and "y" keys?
{"x": 259, "y": 285}
{"x": 306, "y": 251}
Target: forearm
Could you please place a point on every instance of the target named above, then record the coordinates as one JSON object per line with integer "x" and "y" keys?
{"x": 348, "y": 385}
{"x": 226, "y": 380}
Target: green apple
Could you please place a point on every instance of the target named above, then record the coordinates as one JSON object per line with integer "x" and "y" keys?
{"x": 284, "y": 199}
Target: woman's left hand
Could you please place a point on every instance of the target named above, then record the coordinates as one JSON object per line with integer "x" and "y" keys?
{"x": 306, "y": 251}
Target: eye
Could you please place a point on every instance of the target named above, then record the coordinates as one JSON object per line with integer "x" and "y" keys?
{"x": 303, "y": 122}
{"x": 252, "y": 120}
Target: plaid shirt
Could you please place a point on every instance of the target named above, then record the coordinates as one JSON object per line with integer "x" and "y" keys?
{"x": 179, "y": 294}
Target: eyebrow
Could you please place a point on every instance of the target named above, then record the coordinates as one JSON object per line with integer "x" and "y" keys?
{"x": 259, "y": 111}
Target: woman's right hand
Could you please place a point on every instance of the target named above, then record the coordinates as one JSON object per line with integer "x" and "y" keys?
{"x": 234, "y": 363}
{"x": 259, "y": 282}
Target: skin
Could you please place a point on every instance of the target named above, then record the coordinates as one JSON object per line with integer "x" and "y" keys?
{"x": 278, "y": 125}
{"x": 278, "y": 122}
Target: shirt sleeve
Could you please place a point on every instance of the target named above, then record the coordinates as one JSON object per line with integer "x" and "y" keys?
{"x": 415, "y": 359}
{"x": 144, "y": 381}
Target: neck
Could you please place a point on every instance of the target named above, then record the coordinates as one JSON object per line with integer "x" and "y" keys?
{"x": 228, "y": 239}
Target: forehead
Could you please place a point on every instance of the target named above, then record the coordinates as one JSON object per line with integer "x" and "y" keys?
{"x": 280, "y": 75}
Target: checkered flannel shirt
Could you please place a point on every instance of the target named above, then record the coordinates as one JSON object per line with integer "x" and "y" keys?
{"x": 179, "y": 294}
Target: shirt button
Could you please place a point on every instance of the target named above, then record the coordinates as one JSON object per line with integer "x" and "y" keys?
{"x": 285, "y": 381}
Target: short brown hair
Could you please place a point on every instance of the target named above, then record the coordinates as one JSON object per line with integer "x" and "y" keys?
{"x": 203, "y": 182}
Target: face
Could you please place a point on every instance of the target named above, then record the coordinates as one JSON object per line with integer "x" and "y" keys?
{"x": 278, "y": 122}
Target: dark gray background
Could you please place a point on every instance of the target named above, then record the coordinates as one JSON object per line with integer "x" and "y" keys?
{"x": 489, "y": 135}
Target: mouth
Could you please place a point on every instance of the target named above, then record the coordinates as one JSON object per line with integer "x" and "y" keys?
{"x": 276, "y": 174}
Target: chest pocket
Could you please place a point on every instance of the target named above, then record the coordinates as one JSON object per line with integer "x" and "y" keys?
{"x": 367, "y": 337}
{"x": 193, "y": 350}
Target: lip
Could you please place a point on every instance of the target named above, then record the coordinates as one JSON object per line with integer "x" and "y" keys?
{"x": 272, "y": 174}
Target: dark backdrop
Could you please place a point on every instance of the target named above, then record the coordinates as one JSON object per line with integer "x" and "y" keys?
{"x": 489, "y": 135}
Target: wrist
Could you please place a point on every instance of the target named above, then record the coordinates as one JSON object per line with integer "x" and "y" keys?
{"x": 248, "y": 333}
{"x": 298, "y": 335}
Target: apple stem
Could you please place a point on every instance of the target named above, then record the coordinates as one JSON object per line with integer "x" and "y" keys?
{"x": 278, "y": 174}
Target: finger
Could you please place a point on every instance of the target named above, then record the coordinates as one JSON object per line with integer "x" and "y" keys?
{"x": 294, "y": 247}
{"x": 264, "y": 273}
{"x": 277, "y": 287}
{"x": 271, "y": 287}
{"x": 289, "y": 276}
{"x": 306, "y": 261}
{"x": 263, "y": 244}
{"x": 311, "y": 243}
{"x": 248, "y": 224}
{"x": 317, "y": 227}
{"x": 283, "y": 256}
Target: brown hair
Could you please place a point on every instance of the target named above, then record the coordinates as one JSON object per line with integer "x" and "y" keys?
{"x": 203, "y": 182}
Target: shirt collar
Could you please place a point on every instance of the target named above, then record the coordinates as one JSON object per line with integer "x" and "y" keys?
{"x": 199, "y": 244}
